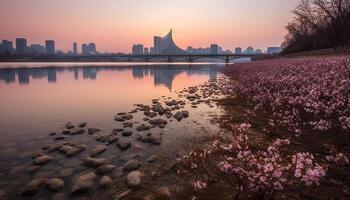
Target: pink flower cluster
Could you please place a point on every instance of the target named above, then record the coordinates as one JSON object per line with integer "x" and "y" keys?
{"x": 199, "y": 185}
{"x": 338, "y": 158}
{"x": 256, "y": 171}
{"x": 300, "y": 93}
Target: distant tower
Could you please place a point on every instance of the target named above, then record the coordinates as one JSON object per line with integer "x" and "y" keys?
{"x": 146, "y": 51}
{"x": 137, "y": 49}
{"x": 238, "y": 50}
{"x": 92, "y": 47}
{"x": 214, "y": 49}
{"x": 157, "y": 45}
{"x": 21, "y": 46}
{"x": 75, "y": 48}
{"x": 84, "y": 49}
{"x": 50, "y": 47}
{"x": 7, "y": 47}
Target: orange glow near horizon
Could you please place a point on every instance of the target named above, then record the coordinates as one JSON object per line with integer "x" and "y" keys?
{"x": 115, "y": 25}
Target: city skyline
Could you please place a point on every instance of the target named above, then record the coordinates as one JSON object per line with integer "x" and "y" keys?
{"x": 112, "y": 32}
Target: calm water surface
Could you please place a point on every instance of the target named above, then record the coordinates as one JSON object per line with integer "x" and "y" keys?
{"x": 39, "y": 98}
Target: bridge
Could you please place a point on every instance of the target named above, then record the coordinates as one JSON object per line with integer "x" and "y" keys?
{"x": 168, "y": 57}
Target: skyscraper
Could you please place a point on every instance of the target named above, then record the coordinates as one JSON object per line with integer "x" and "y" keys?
{"x": 7, "y": 47}
{"x": 166, "y": 45}
{"x": 84, "y": 49}
{"x": 137, "y": 49}
{"x": 157, "y": 45}
{"x": 50, "y": 47}
{"x": 21, "y": 46}
{"x": 214, "y": 49}
{"x": 37, "y": 49}
{"x": 92, "y": 47}
{"x": 238, "y": 50}
{"x": 75, "y": 48}
{"x": 146, "y": 50}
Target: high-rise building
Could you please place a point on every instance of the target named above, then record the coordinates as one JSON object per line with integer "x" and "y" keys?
{"x": 238, "y": 50}
{"x": 151, "y": 50}
{"x": 137, "y": 49}
{"x": 21, "y": 46}
{"x": 258, "y": 51}
{"x": 249, "y": 50}
{"x": 84, "y": 49}
{"x": 214, "y": 49}
{"x": 7, "y": 47}
{"x": 37, "y": 49}
{"x": 146, "y": 50}
{"x": 75, "y": 48}
{"x": 50, "y": 47}
{"x": 157, "y": 45}
{"x": 92, "y": 47}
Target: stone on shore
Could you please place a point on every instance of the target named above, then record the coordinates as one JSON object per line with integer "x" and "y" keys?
{"x": 55, "y": 184}
{"x": 152, "y": 159}
{"x": 78, "y": 132}
{"x": 69, "y": 125}
{"x": 134, "y": 178}
{"x": 126, "y": 133}
{"x": 123, "y": 145}
{"x": 93, "y": 130}
{"x": 82, "y": 125}
{"x": 105, "y": 169}
{"x": 94, "y": 162}
{"x": 178, "y": 116}
{"x": 84, "y": 182}
{"x": 132, "y": 165}
{"x": 106, "y": 181}
{"x": 142, "y": 127}
{"x": 98, "y": 149}
{"x": 113, "y": 139}
{"x": 33, "y": 187}
{"x": 66, "y": 172}
{"x": 185, "y": 114}
{"x": 42, "y": 160}
{"x": 127, "y": 116}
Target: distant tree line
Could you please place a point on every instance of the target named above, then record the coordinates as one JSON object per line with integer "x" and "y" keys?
{"x": 318, "y": 24}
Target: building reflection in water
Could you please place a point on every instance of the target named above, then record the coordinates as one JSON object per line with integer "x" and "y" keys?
{"x": 163, "y": 75}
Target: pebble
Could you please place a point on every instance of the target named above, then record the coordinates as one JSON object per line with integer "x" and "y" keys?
{"x": 98, "y": 149}
{"x": 132, "y": 165}
{"x": 93, "y": 130}
{"x": 84, "y": 182}
{"x": 69, "y": 125}
{"x": 106, "y": 181}
{"x": 55, "y": 184}
{"x": 66, "y": 172}
{"x": 105, "y": 169}
{"x": 122, "y": 145}
{"x": 94, "y": 162}
{"x": 42, "y": 160}
{"x": 142, "y": 127}
{"x": 134, "y": 178}
{"x": 178, "y": 116}
{"x": 127, "y": 133}
{"x": 82, "y": 125}
{"x": 33, "y": 187}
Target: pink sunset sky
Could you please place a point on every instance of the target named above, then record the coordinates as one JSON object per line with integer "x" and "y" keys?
{"x": 115, "y": 25}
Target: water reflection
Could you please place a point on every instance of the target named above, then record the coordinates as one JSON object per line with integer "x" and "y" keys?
{"x": 162, "y": 75}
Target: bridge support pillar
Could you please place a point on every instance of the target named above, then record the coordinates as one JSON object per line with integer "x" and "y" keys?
{"x": 190, "y": 59}
{"x": 227, "y": 60}
{"x": 170, "y": 59}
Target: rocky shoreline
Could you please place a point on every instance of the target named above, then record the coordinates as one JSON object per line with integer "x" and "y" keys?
{"x": 143, "y": 125}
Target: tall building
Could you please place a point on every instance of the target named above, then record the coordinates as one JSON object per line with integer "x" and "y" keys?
{"x": 50, "y": 47}
{"x": 214, "y": 49}
{"x": 21, "y": 46}
{"x": 75, "y": 48}
{"x": 146, "y": 50}
{"x": 37, "y": 49}
{"x": 137, "y": 49}
{"x": 151, "y": 50}
{"x": 238, "y": 50}
{"x": 166, "y": 45}
{"x": 84, "y": 49}
{"x": 249, "y": 50}
{"x": 7, "y": 47}
{"x": 92, "y": 47}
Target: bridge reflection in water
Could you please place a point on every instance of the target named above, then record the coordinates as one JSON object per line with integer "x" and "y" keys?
{"x": 162, "y": 74}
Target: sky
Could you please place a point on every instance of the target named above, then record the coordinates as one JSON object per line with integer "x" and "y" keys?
{"x": 115, "y": 25}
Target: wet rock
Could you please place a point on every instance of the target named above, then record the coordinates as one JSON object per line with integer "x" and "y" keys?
{"x": 134, "y": 178}
{"x": 42, "y": 160}
{"x": 132, "y": 165}
{"x": 58, "y": 196}
{"x": 191, "y": 97}
{"x": 168, "y": 115}
{"x": 70, "y": 151}
{"x": 145, "y": 119}
{"x": 150, "y": 114}
{"x": 121, "y": 113}
{"x": 84, "y": 182}
{"x": 105, "y": 169}
{"x": 82, "y": 125}
{"x": 66, "y": 132}
{"x": 118, "y": 119}
{"x": 127, "y": 133}
{"x": 69, "y": 125}
{"x": 185, "y": 114}
{"x": 33, "y": 187}
{"x": 66, "y": 172}
{"x": 127, "y": 124}
{"x": 159, "y": 109}
{"x": 33, "y": 169}
{"x": 164, "y": 192}
{"x": 143, "y": 127}
{"x": 98, "y": 149}
{"x": 152, "y": 159}
{"x": 52, "y": 134}
{"x": 53, "y": 147}
{"x": 123, "y": 145}
{"x": 102, "y": 137}
{"x": 60, "y": 138}
{"x": 127, "y": 116}
{"x": 55, "y": 184}
{"x": 117, "y": 130}
{"x": 158, "y": 122}
{"x": 94, "y": 162}
{"x": 106, "y": 181}
{"x": 150, "y": 138}
{"x": 113, "y": 139}
{"x": 78, "y": 132}
{"x": 178, "y": 116}
{"x": 93, "y": 130}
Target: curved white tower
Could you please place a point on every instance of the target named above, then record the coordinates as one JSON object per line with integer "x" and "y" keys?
{"x": 166, "y": 45}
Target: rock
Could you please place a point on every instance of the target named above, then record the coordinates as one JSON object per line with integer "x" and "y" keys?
{"x": 52, "y": 134}
{"x": 113, "y": 139}
{"x": 66, "y": 132}
{"x": 150, "y": 138}
{"x": 168, "y": 115}
{"x": 94, "y": 162}
{"x": 106, "y": 181}
{"x": 55, "y": 184}
{"x": 102, "y": 137}
{"x": 164, "y": 192}
{"x": 60, "y": 138}
{"x": 82, "y": 125}
{"x": 158, "y": 122}
{"x": 123, "y": 195}
{"x": 122, "y": 145}
{"x": 84, "y": 182}
{"x": 191, "y": 97}
{"x": 93, "y": 130}
{"x": 33, "y": 169}
{"x": 117, "y": 130}
{"x": 145, "y": 119}
{"x": 53, "y": 147}
{"x": 118, "y": 119}
{"x": 58, "y": 196}
{"x": 42, "y": 160}
{"x": 127, "y": 116}
{"x": 121, "y": 113}
{"x": 127, "y": 124}
{"x": 70, "y": 125}
{"x": 178, "y": 116}
{"x": 78, "y": 132}
{"x": 159, "y": 109}
{"x": 132, "y": 165}
{"x": 134, "y": 178}
{"x": 152, "y": 158}
{"x": 33, "y": 187}
{"x": 127, "y": 133}
{"x": 185, "y": 114}
{"x": 98, "y": 149}
{"x": 142, "y": 127}
{"x": 66, "y": 172}
{"x": 105, "y": 169}
{"x": 150, "y": 114}
{"x": 70, "y": 151}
